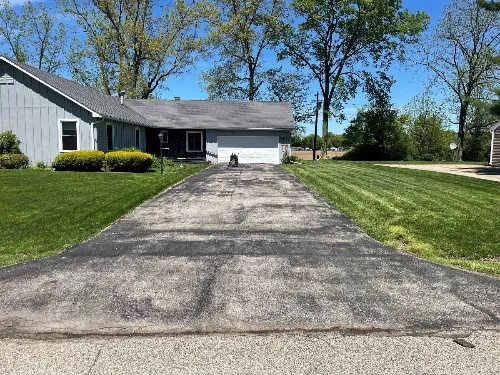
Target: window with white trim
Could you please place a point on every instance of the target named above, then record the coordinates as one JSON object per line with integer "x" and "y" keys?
{"x": 194, "y": 141}
{"x": 109, "y": 137}
{"x": 69, "y": 135}
{"x": 138, "y": 138}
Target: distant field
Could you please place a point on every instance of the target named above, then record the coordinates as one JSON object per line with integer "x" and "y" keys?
{"x": 308, "y": 155}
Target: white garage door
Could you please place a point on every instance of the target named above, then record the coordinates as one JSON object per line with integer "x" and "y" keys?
{"x": 249, "y": 149}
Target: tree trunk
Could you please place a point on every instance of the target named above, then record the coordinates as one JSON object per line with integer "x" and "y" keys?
{"x": 326, "y": 108}
{"x": 461, "y": 131}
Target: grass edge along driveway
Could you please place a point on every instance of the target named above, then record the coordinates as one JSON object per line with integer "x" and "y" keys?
{"x": 444, "y": 218}
{"x": 44, "y": 212}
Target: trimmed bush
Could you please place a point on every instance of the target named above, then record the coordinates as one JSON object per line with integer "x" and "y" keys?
{"x": 128, "y": 161}
{"x": 290, "y": 159}
{"x": 14, "y": 161}
{"x": 79, "y": 161}
{"x": 9, "y": 143}
{"x": 167, "y": 163}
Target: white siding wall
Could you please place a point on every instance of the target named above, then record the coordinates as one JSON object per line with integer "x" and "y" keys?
{"x": 212, "y": 146}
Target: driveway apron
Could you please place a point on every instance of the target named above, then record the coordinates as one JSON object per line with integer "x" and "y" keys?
{"x": 238, "y": 250}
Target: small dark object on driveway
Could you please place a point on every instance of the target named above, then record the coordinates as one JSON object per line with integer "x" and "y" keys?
{"x": 464, "y": 343}
{"x": 233, "y": 160}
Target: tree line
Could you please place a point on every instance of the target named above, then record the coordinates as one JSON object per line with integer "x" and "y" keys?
{"x": 267, "y": 50}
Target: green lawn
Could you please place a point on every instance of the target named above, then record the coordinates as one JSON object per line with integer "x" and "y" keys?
{"x": 449, "y": 219}
{"x": 43, "y": 212}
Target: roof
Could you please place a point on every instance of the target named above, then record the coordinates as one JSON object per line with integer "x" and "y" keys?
{"x": 91, "y": 99}
{"x": 495, "y": 126}
{"x": 173, "y": 114}
{"x": 214, "y": 114}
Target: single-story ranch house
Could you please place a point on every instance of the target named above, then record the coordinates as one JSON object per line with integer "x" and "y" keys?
{"x": 495, "y": 145}
{"x": 51, "y": 115}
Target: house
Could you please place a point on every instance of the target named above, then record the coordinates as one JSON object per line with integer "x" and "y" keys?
{"x": 495, "y": 145}
{"x": 52, "y": 115}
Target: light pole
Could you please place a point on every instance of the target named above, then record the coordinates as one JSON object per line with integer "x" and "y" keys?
{"x": 161, "y": 152}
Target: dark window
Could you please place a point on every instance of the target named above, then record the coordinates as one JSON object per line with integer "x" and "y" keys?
{"x": 138, "y": 138}
{"x": 69, "y": 135}
{"x": 109, "y": 134}
{"x": 194, "y": 141}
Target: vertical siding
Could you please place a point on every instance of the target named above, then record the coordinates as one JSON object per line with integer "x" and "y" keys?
{"x": 123, "y": 135}
{"x": 212, "y": 146}
{"x": 495, "y": 155}
{"x": 32, "y": 111}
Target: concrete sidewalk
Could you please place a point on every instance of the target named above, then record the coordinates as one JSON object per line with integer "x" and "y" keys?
{"x": 468, "y": 170}
{"x": 252, "y": 354}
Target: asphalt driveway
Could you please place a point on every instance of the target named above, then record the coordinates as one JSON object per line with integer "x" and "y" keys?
{"x": 243, "y": 249}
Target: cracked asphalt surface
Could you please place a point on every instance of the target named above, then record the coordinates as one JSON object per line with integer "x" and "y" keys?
{"x": 239, "y": 250}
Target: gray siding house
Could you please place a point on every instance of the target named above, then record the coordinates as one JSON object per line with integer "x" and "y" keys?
{"x": 52, "y": 115}
{"x": 495, "y": 145}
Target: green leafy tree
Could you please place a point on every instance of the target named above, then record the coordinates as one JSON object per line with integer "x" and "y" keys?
{"x": 377, "y": 134}
{"x": 240, "y": 32}
{"x": 458, "y": 54}
{"x": 494, "y": 106}
{"x": 133, "y": 45}
{"x": 335, "y": 140}
{"x": 424, "y": 122}
{"x": 33, "y": 35}
{"x": 308, "y": 141}
{"x": 291, "y": 87}
{"x": 341, "y": 42}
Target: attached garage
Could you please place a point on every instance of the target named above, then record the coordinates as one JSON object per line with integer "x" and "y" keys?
{"x": 249, "y": 149}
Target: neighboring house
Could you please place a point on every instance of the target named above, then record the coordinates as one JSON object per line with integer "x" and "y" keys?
{"x": 52, "y": 115}
{"x": 495, "y": 145}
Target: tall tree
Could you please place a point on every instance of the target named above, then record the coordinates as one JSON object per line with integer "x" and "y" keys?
{"x": 341, "y": 43}
{"x": 458, "y": 53}
{"x": 494, "y": 107}
{"x": 240, "y": 32}
{"x": 133, "y": 45}
{"x": 376, "y": 133}
{"x": 425, "y": 124}
{"x": 32, "y": 34}
{"x": 291, "y": 87}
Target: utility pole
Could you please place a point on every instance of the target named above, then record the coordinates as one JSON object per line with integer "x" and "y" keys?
{"x": 316, "y": 126}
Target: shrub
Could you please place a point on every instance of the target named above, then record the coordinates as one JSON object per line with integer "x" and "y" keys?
{"x": 80, "y": 161}
{"x": 127, "y": 161}
{"x": 166, "y": 163}
{"x": 129, "y": 149}
{"x": 13, "y": 161}
{"x": 290, "y": 159}
{"x": 9, "y": 143}
{"x": 42, "y": 165}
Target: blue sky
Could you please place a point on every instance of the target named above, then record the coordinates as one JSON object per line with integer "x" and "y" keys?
{"x": 409, "y": 81}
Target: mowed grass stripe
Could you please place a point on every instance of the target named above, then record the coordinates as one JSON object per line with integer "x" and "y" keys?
{"x": 443, "y": 217}
{"x": 43, "y": 212}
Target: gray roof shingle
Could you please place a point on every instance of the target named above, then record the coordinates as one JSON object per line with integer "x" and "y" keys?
{"x": 105, "y": 105}
{"x": 177, "y": 114}
{"x": 214, "y": 114}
